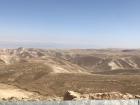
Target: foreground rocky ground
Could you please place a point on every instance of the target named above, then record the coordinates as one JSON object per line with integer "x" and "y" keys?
{"x": 12, "y": 93}
{"x": 38, "y": 74}
{"x": 71, "y": 95}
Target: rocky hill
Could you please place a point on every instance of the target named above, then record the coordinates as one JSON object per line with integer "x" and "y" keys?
{"x": 76, "y": 60}
{"x": 51, "y": 72}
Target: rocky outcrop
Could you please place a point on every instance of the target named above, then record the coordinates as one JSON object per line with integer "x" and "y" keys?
{"x": 71, "y": 95}
{"x": 137, "y": 96}
{"x": 9, "y": 59}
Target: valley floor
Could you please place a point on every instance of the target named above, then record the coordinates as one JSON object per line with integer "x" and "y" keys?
{"x": 56, "y": 85}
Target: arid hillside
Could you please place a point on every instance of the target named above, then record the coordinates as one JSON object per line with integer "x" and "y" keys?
{"x": 52, "y": 72}
{"x": 76, "y": 60}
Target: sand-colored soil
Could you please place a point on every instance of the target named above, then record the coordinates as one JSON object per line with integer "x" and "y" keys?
{"x": 9, "y": 91}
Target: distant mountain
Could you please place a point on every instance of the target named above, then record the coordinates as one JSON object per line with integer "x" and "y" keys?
{"x": 75, "y": 60}
{"x": 51, "y": 45}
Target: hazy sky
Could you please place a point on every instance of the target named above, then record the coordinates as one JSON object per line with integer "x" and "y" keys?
{"x": 70, "y": 23}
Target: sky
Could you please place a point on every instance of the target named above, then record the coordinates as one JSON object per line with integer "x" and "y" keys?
{"x": 70, "y": 23}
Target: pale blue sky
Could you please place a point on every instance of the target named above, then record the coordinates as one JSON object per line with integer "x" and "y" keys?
{"x": 70, "y": 23}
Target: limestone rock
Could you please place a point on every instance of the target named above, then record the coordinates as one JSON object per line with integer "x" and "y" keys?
{"x": 71, "y": 95}
{"x": 137, "y": 96}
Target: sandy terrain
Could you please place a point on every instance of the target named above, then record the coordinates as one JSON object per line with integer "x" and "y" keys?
{"x": 9, "y": 92}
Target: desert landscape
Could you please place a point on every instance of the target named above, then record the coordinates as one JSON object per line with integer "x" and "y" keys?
{"x": 69, "y": 52}
{"x": 67, "y": 74}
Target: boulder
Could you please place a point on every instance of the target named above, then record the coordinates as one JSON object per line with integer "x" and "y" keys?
{"x": 71, "y": 95}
